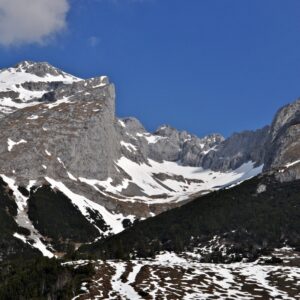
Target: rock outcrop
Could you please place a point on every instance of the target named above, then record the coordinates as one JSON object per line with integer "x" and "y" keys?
{"x": 283, "y": 150}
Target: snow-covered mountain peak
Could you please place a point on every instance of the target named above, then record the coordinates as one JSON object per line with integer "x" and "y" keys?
{"x": 44, "y": 70}
{"x": 30, "y": 83}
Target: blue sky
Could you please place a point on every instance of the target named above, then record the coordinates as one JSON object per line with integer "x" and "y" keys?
{"x": 200, "y": 65}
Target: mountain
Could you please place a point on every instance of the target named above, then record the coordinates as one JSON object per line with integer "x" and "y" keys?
{"x": 60, "y": 130}
{"x": 77, "y": 182}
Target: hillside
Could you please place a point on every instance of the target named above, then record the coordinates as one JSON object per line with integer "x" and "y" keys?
{"x": 225, "y": 226}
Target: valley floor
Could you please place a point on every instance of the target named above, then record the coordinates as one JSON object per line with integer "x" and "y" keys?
{"x": 170, "y": 276}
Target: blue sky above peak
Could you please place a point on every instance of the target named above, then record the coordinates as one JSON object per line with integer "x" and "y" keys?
{"x": 203, "y": 66}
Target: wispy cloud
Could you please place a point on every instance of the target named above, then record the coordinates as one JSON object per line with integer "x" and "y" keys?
{"x": 93, "y": 41}
{"x": 31, "y": 21}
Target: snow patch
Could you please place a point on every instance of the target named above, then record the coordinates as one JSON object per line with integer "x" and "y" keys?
{"x": 47, "y": 152}
{"x": 128, "y": 146}
{"x": 11, "y": 144}
{"x": 122, "y": 123}
{"x": 33, "y": 117}
{"x": 71, "y": 176}
{"x": 293, "y": 163}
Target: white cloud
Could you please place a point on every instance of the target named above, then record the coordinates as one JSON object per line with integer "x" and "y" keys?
{"x": 31, "y": 21}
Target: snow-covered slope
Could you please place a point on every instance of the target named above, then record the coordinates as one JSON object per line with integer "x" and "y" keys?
{"x": 168, "y": 182}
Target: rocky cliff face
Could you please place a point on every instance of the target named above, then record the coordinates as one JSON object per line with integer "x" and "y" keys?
{"x": 240, "y": 147}
{"x": 283, "y": 150}
{"x": 49, "y": 137}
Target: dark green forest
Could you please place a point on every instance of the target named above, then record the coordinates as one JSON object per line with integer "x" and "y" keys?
{"x": 41, "y": 278}
{"x": 250, "y": 223}
{"x": 24, "y": 273}
{"x": 55, "y": 217}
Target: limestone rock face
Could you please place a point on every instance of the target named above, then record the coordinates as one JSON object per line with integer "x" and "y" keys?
{"x": 238, "y": 149}
{"x": 76, "y": 133}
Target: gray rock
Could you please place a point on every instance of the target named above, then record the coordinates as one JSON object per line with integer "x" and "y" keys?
{"x": 80, "y": 132}
{"x": 283, "y": 145}
{"x": 40, "y": 69}
{"x": 238, "y": 149}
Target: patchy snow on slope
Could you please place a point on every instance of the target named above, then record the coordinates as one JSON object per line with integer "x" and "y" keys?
{"x": 173, "y": 276}
{"x": 105, "y": 185}
{"x": 121, "y": 123}
{"x": 192, "y": 179}
{"x": 12, "y": 80}
{"x": 125, "y": 290}
{"x": 151, "y": 138}
{"x": 23, "y": 220}
{"x": 57, "y": 103}
{"x": 7, "y": 105}
{"x": 71, "y": 176}
{"x": 128, "y": 146}
{"x": 169, "y": 181}
{"x": 180, "y": 183}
